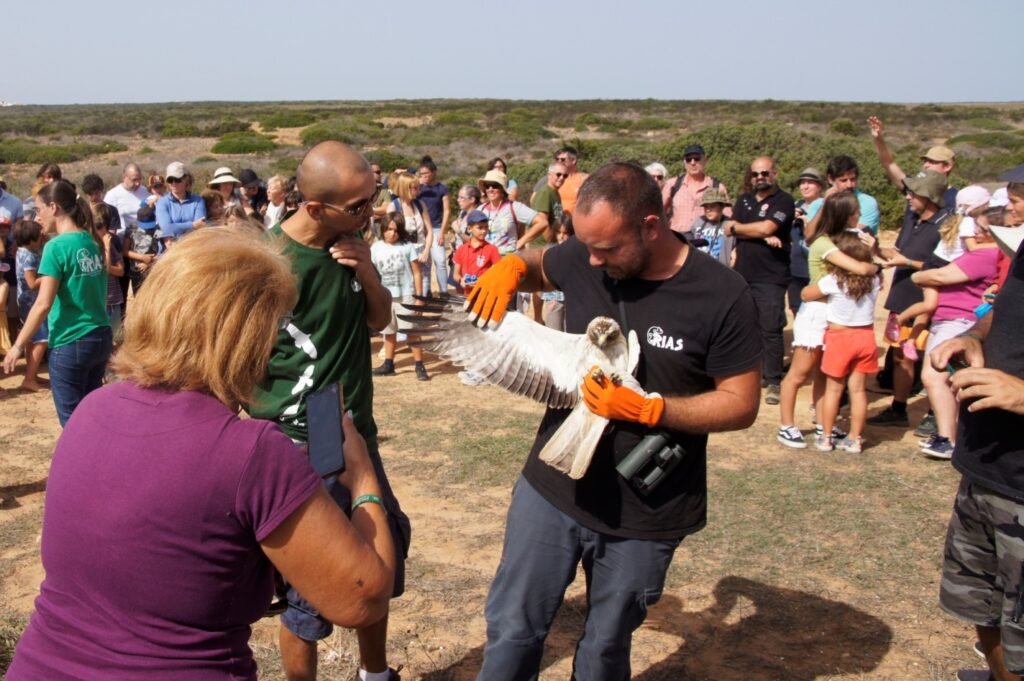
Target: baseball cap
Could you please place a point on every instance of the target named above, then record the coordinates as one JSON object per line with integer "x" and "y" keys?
{"x": 248, "y": 177}
{"x": 940, "y": 153}
{"x": 476, "y": 216}
{"x": 146, "y": 217}
{"x": 176, "y": 169}
{"x": 694, "y": 149}
{"x": 713, "y": 195}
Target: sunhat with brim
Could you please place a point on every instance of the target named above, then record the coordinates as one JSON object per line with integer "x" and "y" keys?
{"x": 1008, "y": 238}
{"x": 930, "y": 184}
{"x": 495, "y": 176}
{"x": 940, "y": 154}
{"x": 812, "y": 174}
{"x": 971, "y": 198}
{"x": 222, "y": 175}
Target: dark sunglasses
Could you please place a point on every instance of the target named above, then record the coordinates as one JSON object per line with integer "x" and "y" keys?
{"x": 658, "y": 177}
{"x": 760, "y": 173}
{"x": 493, "y": 185}
{"x": 175, "y": 180}
{"x": 561, "y": 174}
{"x": 692, "y": 159}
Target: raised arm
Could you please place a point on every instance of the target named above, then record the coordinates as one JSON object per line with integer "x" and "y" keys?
{"x": 892, "y": 170}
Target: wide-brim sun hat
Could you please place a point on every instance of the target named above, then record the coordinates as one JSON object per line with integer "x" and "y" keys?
{"x": 222, "y": 175}
{"x": 496, "y": 177}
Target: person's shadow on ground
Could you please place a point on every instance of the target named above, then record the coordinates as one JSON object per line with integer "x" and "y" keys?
{"x": 752, "y": 631}
{"x": 9, "y": 495}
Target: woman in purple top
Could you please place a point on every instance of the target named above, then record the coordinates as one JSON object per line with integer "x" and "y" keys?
{"x": 166, "y": 513}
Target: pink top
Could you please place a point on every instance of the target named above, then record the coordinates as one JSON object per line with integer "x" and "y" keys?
{"x": 959, "y": 300}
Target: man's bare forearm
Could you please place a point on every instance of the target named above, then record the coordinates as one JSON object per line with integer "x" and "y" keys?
{"x": 732, "y": 405}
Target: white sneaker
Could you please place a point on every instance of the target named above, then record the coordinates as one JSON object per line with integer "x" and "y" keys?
{"x": 469, "y": 378}
{"x": 823, "y": 444}
{"x": 791, "y": 437}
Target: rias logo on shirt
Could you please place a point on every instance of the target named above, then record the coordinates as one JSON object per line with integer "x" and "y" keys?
{"x": 87, "y": 262}
{"x": 656, "y": 337}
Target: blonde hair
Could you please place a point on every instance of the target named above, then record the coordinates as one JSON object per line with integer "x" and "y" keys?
{"x": 206, "y": 320}
{"x": 404, "y": 186}
{"x": 281, "y": 179}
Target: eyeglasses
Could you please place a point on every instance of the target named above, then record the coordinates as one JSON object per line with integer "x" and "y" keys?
{"x": 760, "y": 173}
{"x": 561, "y": 174}
{"x": 692, "y": 159}
{"x": 352, "y": 211}
{"x": 658, "y": 177}
{"x": 562, "y": 159}
{"x": 175, "y": 180}
{"x": 460, "y": 197}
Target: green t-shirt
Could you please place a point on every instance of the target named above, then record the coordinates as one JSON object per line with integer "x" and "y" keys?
{"x": 75, "y": 260}
{"x": 326, "y": 342}
{"x": 821, "y": 247}
{"x": 547, "y": 200}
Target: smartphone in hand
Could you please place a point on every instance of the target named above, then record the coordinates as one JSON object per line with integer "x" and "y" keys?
{"x": 324, "y": 410}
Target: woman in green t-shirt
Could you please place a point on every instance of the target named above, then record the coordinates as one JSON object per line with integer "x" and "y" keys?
{"x": 72, "y": 297}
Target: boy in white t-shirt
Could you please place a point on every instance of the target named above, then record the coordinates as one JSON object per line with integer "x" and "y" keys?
{"x": 850, "y": 354}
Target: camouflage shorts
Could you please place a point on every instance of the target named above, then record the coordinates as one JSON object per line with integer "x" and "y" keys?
{"x": 983, "y": 566}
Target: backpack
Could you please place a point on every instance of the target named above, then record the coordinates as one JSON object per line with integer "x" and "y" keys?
{"x": 676, "y": 186}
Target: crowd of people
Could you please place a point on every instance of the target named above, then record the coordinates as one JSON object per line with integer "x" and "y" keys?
{"x": 263, "y": 294}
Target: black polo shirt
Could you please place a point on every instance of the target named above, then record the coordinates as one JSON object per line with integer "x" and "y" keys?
{"x": 758, "y": 262}
{"x": 917, "y": 240}
{"x": 990, "y": 442}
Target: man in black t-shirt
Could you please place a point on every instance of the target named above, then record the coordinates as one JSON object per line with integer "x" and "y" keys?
{"x": 765, "y": 212}
{"x": 982, "y": 579}
{"x": 698, "y": 373}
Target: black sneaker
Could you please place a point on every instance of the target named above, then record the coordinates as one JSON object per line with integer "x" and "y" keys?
{"x": 889, "y": 417}
{"x": 927, "y": 427}
{"x": 421, "y": 373}
{"x": 939, "y": 448}
{"x": 771, "y": 394}
{"x": 385, "y": 369}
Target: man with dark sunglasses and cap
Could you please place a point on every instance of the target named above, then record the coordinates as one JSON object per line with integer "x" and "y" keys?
{"x": 682, "y": 194}
{"x": 253, "y": 192}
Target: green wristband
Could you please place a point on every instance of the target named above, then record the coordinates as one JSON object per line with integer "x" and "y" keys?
{"x": 369, "y": 499}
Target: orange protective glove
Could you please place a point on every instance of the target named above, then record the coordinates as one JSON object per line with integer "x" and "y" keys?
{"x": 616, "y": 401}
{"x": 494, "y": 289}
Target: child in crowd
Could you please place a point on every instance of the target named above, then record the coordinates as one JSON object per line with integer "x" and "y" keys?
{"x": 475, "y": 256}
{"x": 554, "y": 301}
{"x": 850, "y": 354}
{"x": 396, "y": 259}
{"x": 101, "y": 221}
{"x": 140, "y": 246}
{"x": 28, "y": 236}
{"x": 708, "y": 235}
{"x": 957, "y": 238}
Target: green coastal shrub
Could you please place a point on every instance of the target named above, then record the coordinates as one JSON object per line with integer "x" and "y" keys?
{"x": 247, "y": 142}
{"x": 23, "y": 150}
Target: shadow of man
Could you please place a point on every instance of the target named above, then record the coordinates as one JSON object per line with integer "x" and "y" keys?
{"x": 751, "y": 631}
{"x": 9, "y": 495}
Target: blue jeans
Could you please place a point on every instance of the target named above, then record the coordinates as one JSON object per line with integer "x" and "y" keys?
{"x": 542, "y": 548}
{"x": 438, "y": 263}
{"x": 76, "y": 369}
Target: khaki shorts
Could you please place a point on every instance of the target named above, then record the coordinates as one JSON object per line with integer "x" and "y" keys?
{"x": 982, "y": 567}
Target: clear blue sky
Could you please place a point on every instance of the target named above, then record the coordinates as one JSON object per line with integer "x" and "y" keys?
{"x": 69, "y": 51}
